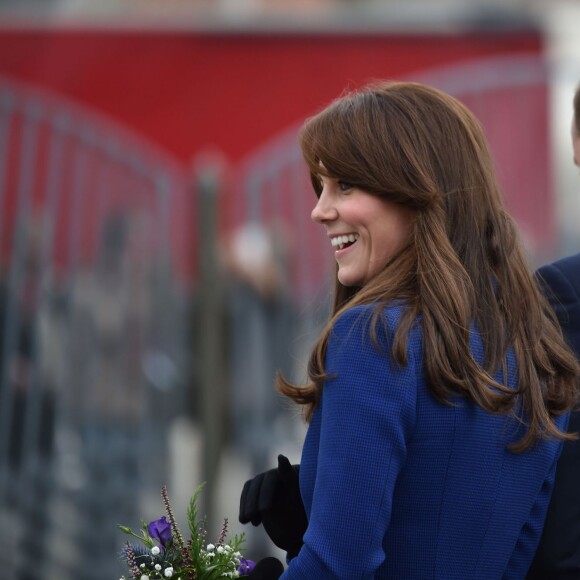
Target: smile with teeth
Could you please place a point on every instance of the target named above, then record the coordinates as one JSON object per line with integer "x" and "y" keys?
{"x": 341, "y": 242}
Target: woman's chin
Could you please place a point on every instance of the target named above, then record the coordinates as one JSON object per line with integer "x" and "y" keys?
{"x": 348, "y": 280}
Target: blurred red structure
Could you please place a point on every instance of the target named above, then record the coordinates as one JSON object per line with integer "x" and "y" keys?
{"x": 187, "y": 92}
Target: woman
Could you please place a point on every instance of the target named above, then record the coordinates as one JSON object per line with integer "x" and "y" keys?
{"x": 439, "y": 391}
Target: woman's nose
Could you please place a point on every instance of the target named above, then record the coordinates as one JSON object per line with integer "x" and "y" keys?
{"x": 323, "y": 211}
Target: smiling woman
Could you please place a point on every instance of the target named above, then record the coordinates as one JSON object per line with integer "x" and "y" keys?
{"x": 439, "y": 392}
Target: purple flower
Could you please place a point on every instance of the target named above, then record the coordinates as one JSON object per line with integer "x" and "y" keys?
{"x": 160, "y": 530}
{"x": 245, "y": 567}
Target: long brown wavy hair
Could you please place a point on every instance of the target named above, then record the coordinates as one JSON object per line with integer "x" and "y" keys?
{"x": 463, "y": 264}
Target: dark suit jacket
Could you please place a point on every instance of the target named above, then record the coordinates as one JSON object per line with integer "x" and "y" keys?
{"x": 558, "y": 555}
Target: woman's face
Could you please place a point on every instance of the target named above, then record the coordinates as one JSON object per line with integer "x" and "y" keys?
{"x": 365, "y": 230}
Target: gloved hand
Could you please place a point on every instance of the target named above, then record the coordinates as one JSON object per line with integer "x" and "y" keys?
{"x": 267, "y": 569}
{"x": 273, "y": 499}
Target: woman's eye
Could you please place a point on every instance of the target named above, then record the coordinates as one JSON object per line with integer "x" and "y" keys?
{"x": 344, "y": 186}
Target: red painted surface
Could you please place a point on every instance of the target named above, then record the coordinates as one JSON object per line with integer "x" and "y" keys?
{"x": 189, "y": 91}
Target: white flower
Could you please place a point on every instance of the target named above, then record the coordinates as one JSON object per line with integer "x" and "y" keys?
{"x": 157, "y": 567}
{"x": 210, "y": 555}
{"x": 155, "y": 550}
{"x": 144, "y": 577}
{"x": 210, "y": 547}
{"x": 168, "y": 572}
{"x": 220, "y": 549}
{"x": 228, "y": 548}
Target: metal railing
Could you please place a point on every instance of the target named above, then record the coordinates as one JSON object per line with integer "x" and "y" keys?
{"x": 91, "y": 332}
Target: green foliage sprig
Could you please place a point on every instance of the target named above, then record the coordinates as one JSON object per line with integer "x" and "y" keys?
{"x": 163, "y": 552}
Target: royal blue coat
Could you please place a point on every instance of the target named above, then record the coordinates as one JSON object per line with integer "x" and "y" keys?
{"x": 398, "y": 485}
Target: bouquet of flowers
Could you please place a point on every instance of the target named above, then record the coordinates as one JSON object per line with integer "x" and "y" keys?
{"x": 163, "y": 553}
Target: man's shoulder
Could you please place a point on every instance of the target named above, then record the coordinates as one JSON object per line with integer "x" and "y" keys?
{"x": 568, "y": 267}
{"x": 567, "y": 263}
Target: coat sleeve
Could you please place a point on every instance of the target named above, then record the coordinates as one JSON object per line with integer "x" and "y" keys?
{"x": 367, "y": 416}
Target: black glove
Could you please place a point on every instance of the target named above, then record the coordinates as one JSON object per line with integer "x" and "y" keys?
{"x": 273, "y": 500}
{"x": 267, "y": 569}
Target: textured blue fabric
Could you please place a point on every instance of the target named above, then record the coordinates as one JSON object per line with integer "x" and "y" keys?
{"x": 397, "y": 485}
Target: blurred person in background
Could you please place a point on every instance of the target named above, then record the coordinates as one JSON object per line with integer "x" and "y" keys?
{"x": 26, "y": 300}
{"x": 262, "y": 320}
{"x": 558, "y": 555}
{"x": 110, "y": 312}
{"x": 262, "y": 323}
{"x": 440, "y": 390}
